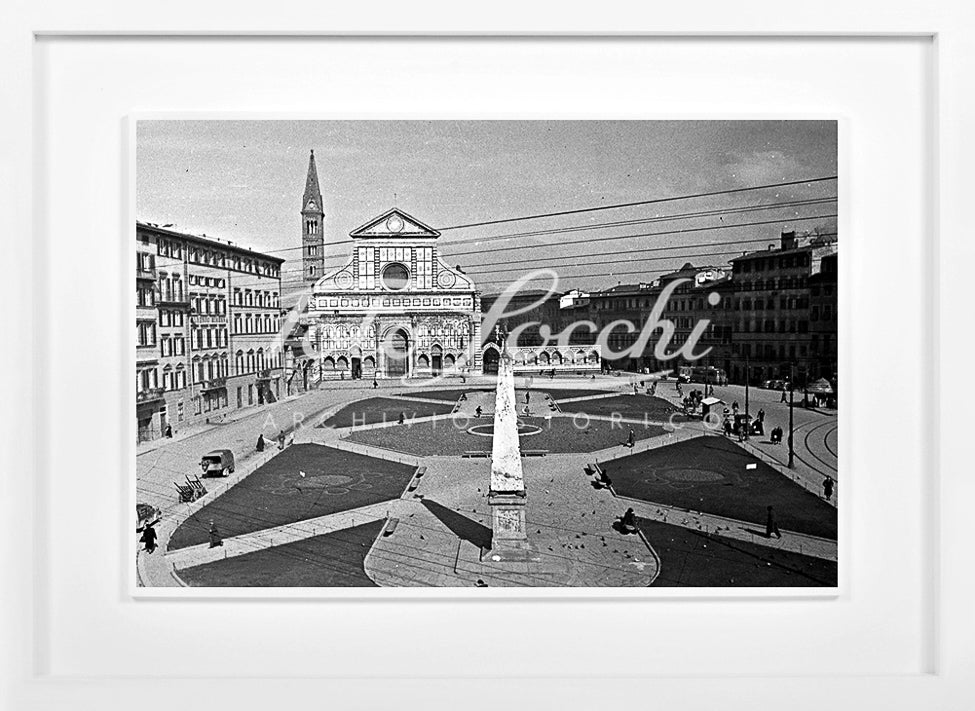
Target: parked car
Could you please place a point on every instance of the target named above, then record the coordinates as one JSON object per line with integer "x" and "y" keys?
{"x": 146, "y": 515}
{"x": 774, "y": 385}
{"x": 219, "y": 462}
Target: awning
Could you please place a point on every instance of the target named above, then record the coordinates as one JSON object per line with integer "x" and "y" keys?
{"x": 820, "y": 387}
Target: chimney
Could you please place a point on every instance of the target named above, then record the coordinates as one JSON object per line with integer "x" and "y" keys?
{"x": 789, "y": 240}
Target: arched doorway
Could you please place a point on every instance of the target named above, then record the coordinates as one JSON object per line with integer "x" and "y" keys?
{"x": 396, "y": 352}
{"x": 436, "y": 360}
{"x": 491, "y": 358}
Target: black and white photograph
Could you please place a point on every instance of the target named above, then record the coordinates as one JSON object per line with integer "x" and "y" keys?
{"x": 483, "y": 354}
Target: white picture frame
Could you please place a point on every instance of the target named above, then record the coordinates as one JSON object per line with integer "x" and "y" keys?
{"x": 76, "y": 636}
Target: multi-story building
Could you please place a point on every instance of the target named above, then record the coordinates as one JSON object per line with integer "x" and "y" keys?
{"x": 823, "y": 319}
{"x": 207, "y": 329}
{"x": 772, "y": 308}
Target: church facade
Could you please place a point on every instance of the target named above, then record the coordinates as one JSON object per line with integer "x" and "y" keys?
{"x": 394, "y": 309}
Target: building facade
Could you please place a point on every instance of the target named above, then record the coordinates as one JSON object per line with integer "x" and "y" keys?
{"x": 207, "y": 327}
{"x": 394, "y": 309}
{"x": 772, "y": 309}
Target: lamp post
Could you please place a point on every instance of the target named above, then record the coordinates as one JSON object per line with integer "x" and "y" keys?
{"x": 792, "y": 391}
{"x": 747, "y": 378}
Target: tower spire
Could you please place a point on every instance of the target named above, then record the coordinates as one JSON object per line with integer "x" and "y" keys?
{"x": 312, "y": 225}
{"x": 312, "y": 191}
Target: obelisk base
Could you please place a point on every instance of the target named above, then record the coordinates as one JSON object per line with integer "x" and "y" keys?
{"x": 509, "y": 530}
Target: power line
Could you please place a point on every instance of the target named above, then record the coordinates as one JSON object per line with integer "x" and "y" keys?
{"x": 603, "y": 225}
{"x": 665, "y": 233}
{"x": 617, "y": 206}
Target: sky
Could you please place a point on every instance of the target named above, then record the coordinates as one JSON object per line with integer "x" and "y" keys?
{"x": 243, "y": 181}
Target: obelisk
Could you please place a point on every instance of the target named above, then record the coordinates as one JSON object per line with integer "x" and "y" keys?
{"x": 507, "y": 497}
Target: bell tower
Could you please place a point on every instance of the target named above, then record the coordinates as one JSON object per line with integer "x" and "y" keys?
{"x": 312, "y": 226}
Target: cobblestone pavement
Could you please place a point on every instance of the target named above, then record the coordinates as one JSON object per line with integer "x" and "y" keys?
{"x": 437, "y": 539}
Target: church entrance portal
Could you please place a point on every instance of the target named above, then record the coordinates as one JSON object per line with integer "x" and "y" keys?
{"x": 396, "y": 350}
{"x": 491, "y": 357}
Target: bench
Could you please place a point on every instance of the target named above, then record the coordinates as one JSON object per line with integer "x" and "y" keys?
{"x": 197, "y": 486}
{"x": 391, "y": 527}
{"x": 415, "y": 482}
{"x": 475, "y": 455}
{"x": 599, "y": 476}
{"x": 534, "y": 452}
{"x": 186, "y": 493}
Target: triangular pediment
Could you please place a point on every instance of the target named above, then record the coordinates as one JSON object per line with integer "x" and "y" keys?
{"x": 394, "y": 223}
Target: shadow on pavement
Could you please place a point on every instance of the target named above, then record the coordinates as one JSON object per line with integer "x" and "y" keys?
{"x": 461, "y": 526}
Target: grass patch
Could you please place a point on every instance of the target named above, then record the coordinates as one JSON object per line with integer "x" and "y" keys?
{"x": 328, "y": 561}
{"x": 449, "y": 436}
{"x": 708, "y": 474}
{"x": 376, "y": 410}
{"x": 690, "y": 558}
{"x": 276, "y": 494}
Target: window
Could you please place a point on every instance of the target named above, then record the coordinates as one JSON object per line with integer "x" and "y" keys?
{"x": 395, "y": 277}
{"x": 367, "y": 267}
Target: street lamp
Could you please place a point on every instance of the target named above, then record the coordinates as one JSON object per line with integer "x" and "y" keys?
{"x": 792, "y": 391}
{"x": 747, "y": 378}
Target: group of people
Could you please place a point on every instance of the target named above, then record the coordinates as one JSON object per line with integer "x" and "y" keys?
{"x": 262, "y": 443}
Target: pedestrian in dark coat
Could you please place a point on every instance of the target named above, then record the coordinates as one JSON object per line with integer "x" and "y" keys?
{"x": 260, "y": 442}
{"x": 169, "y": 431}
{"x": 770, "y": 525}
{"x": 828, "y": 487}
{"x": 630, "y": 439}
{"x": 281, "y": 439}
{"x": 215, "y": 539}
{"x": 149, "y": 538}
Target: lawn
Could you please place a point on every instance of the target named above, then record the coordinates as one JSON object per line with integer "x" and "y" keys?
{"x": 450, "y": 437}
{"x": 451, "y": 395}
{"x": 381, "y": 409}
{"x": 277, "y": 494}
{"x": 630, "y": 406}
{"x": 690, "y": 558}
{"x": 708, "y": 474}
{"x": 332, "y": 560}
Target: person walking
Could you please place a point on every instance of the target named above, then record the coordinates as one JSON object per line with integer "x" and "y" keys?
{"x": 630, "y": 439}
{"x": 215, "y": 539}
{"x": 828, "y": 487}
{"x": 260, "y": 442}
{"x": 375, "y": 383}
{"x": 402, "y": 418}
{"x": 478, "y": 411}
{"x": 770, "y": 524}
{"x": 761, "y": 415}
{"x": 169, "y": 431}
{"x": 149, "y": 538}
{"x": 281, "y": 439}
{"x": 783, "y": 399}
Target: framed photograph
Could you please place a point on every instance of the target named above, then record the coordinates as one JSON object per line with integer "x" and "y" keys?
{"x": 484, "y": 402}
{"x": 523, "y": 359}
